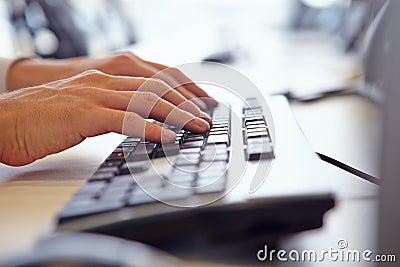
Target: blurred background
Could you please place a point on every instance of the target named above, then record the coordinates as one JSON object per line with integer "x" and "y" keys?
{"x": 273, "y": 38}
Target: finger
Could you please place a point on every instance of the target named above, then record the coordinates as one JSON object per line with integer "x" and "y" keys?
{"x": 150, "y": 71}
{"x": 186, "y": 82}
{"x": 156, "y": 86}
{"x": 192, "y": 97}
{"x": 131, "y": 124}
{"x": 150, "y": 105}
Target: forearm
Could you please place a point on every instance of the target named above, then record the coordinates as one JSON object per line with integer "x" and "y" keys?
{"x": 36, "y": 71}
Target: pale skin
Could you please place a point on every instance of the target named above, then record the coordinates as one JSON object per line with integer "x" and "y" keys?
{"x": 55, "y": 105}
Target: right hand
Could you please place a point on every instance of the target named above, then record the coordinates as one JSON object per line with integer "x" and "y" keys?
{"x": 46, "y": 119}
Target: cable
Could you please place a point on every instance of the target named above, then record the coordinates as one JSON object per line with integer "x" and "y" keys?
{"x": 349, "y": 169}
{"x": 319, "y": 95}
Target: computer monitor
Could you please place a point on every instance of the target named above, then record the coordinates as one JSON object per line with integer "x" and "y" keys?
{"x": 384, "y": 73}
{"x": 375, "y": 56}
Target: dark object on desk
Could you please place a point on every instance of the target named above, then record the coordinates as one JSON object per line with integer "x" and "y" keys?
{"x": 235, "y": 230}
{"x": 319, "y": 95}
{"x": 224, "y": 57}
{"x": 349, "y": 169}
{"x": 89, "y": 250}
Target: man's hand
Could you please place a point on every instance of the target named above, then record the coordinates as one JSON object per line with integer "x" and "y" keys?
{"x": 31, "y": 72}
{"x": 46, "y": 119}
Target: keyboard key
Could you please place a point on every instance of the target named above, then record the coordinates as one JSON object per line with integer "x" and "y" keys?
{"x": 258, "y": 123}
{"x": 257, "y": 151}
{"x": 256, "y": 130}
{"x": 218, "y": 139}
{"x": 253, "y": 119}
{"x": 121, "y": 150}
{"x": 149, "y": 180}
{"x": 132, "y": 140}
{"x": 111, "y": 164}
{"x": 216, "y": 157}
{"x": 215, "y": 148}
{"x": 215, "y": 187}
{"x": 213, "y": 165}
{"x": 183, "y": 171}
{"x": 195, "y": 138}
{"x": 108, "y": 169}
{"x": 167, "y": 193}
{"x": 142, "y": 152}
{"x": 122, "y": 181}
{"x": 114, "y": 194}
{"x": 139, "y": 197}
{"x": 210, "y": 176}
{"x": 116, "y": 156}
{"x": 134, "y": 167}
{"x": 255, "y": 110}
{"x": 218, "y": 132}
{"x": 98, "y": 207}
{"x": 101, "y": 176}
{"x": 193, "y": 150}
{"x": 257, "y": 126}
{"x": 257, "y": 134}
{"x": 91, "y": 188}
{"x": 192, "y": 144}
{"x": 172, "y": 192}
{"x": 252, "y": 102}
{"x": 212, "y": 170}
{"x": 259, "y": 140}
{"x": 186, "y": 179}
{"x": 129, "y": 144}
{"x": 167, "y": 150}
{"x": 187, "y": 159}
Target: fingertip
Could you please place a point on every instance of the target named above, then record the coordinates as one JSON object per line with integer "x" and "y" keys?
{"x": 167, "y": 136}
{"x": 206, "y": 117}
{"x": 199, "y": 125}
{"x": 211, "y": 102}
{"x": 200, "y": 103}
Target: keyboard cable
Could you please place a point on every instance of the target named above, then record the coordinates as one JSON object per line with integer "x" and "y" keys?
{"x": 349, "y": 169}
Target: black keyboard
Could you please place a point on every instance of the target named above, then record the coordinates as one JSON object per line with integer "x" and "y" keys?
{"x": 199, "y": 165}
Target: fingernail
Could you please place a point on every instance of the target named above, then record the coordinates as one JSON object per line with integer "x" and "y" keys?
{"x": 201, "y": 125}
{"x": 206, "y": 117}
{"x": 211, "y": 101}
{"x": 167, "y": 136}
{"x": 200, "y": 104}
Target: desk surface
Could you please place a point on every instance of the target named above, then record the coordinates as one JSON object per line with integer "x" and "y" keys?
{"x": 34, "y": 194}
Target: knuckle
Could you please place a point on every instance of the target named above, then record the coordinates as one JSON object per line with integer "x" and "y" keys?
{"x": 93, "y": 74}
{"x": 83, "y": 91}
{"x": 150, "y": 97}
{"x": 174, "y": 71}
{"x": 159, "y": 83}
{"x": 84, "y": 106}
{"x": 79, "y": 107}
{"x": 126, "y": 56}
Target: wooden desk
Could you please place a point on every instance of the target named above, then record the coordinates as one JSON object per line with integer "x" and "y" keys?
{"x": 33, "y": 195}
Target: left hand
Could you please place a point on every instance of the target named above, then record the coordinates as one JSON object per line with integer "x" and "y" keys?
{"x": 34, "y": 71}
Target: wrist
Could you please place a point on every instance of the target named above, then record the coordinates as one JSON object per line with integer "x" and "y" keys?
{"x": 19, "y": 74}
